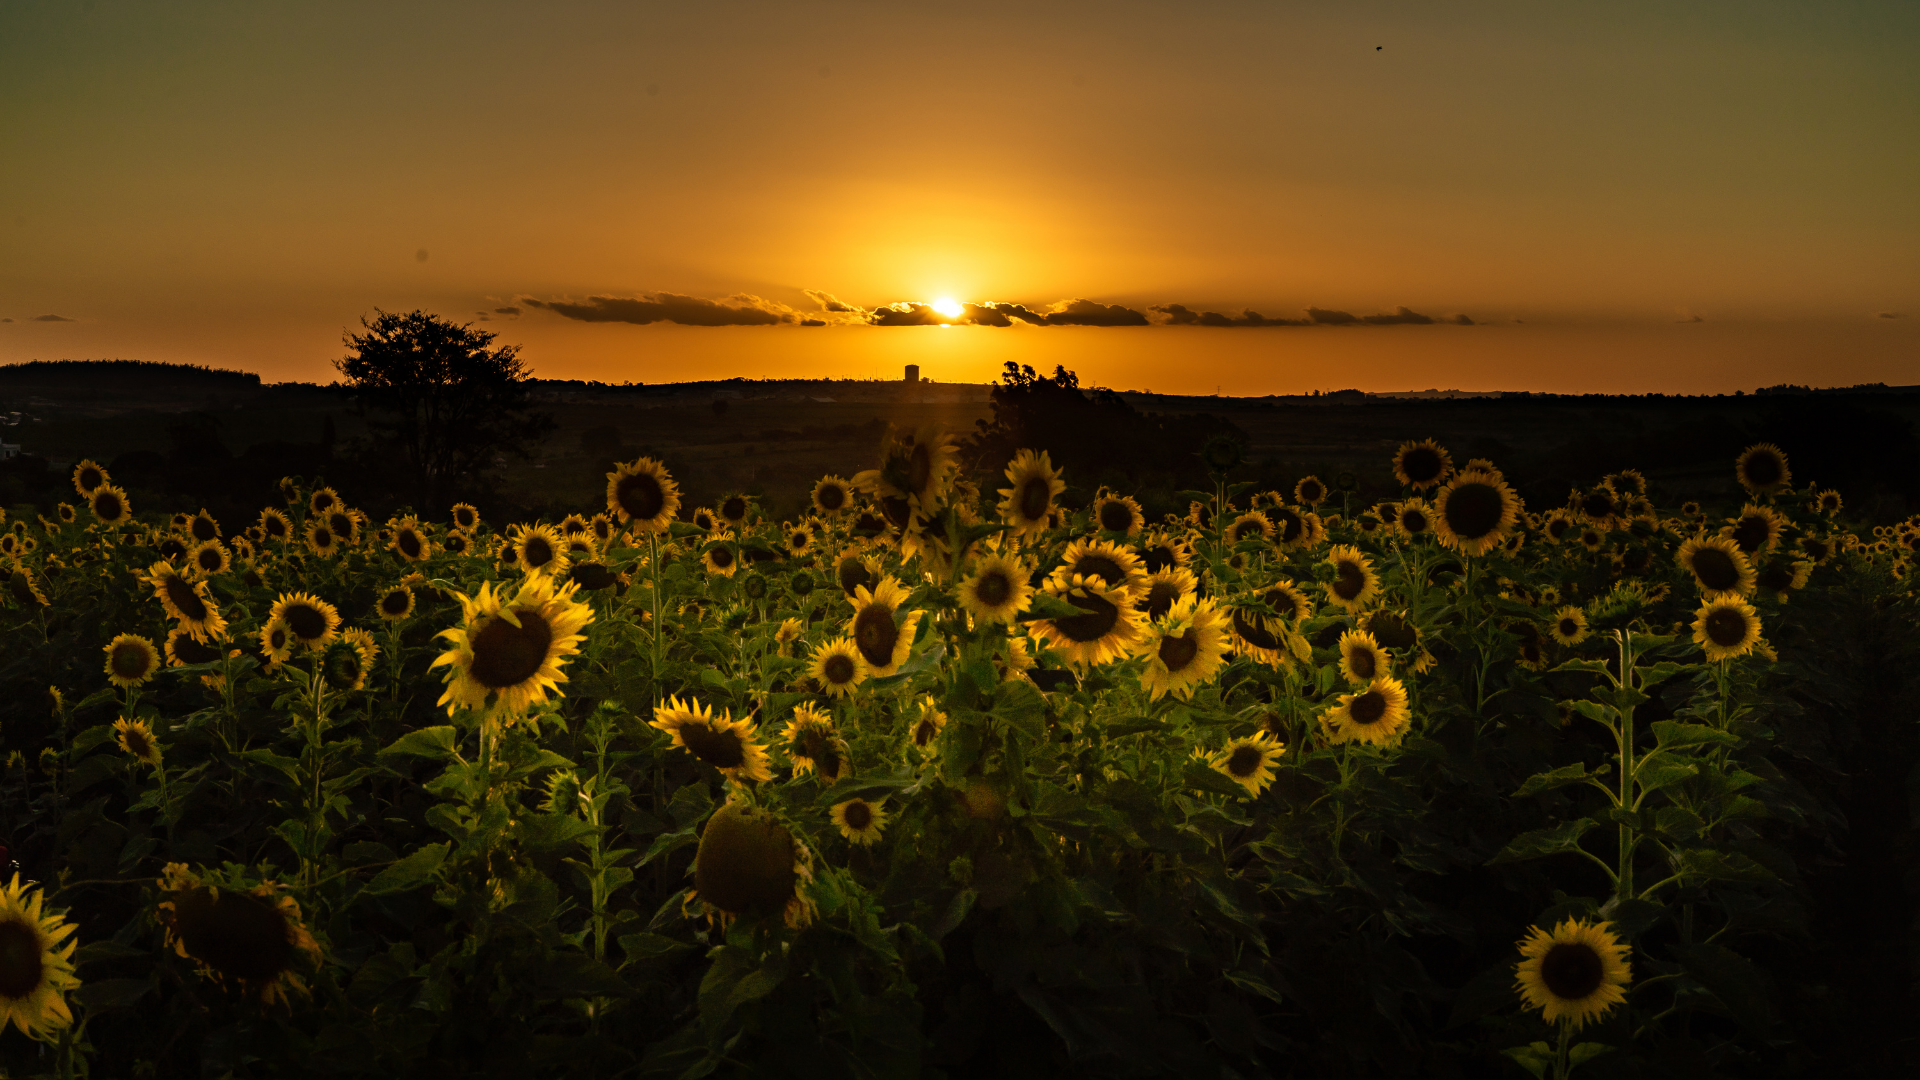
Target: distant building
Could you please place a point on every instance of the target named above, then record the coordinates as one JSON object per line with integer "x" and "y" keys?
{"x": 9, "y": 451}
{"x": 913, "y": 373}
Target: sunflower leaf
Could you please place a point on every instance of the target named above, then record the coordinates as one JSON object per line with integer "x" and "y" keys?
{"x": 1542, "y": 842}
{"x": 1046, "y": 606}
{"x": 409, "y": 873}
{"x": 440, "y": 741}
{"x": 1673, "y": 734}
{"x": 1547, "y": 781}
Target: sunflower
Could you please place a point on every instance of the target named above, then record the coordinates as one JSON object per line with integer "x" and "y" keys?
{"x": 814, "y": 745}
{"x": 1028, "y": 504}
{"x": 23, "y": 589}
{"x": 1718, "y": 566}
{"x": 1015, "y": 662}
{"x": 348, "y": 659}
{"x": 1533, "y": 648}
{"x": 1475, "y": 511}
{"x": 89, "y": 477}
{"x": 799, "y": 540}
{"x": 109, "y": 505}
{"x": 1421, "y": 465}
{"x": 1413, "y": 517}
{"x": 837, "y": 667}
{"x": 997, "y": 591}
{"x": 1569, "y": 626}
{"x": 131, "y": 660}
{"x": 182, "y": 649}
{"x": 1757, "y": 529}
{"x": 859, "y": 820}
{"x": 641, "y": 493}
{"x": 1112, "y": 564}
{"x": 1199, "y": 515}
{"x": 186, "y": 601}
{"x": 1784, "y": 577}
{"x": 1592, "y": 539}
{"x": 1263, "y": 630}
{"x": 926, "y": 729}
{"x": 1184, "y": 648}
{"x": 410, "y": 541}
{"x": 1557, "y": 526}
{"x": 1362, "y": 658}
{"x": 1377, "y": 714}
{"x": 883, "y": 638}
{"x": 1250, "y": 762}
{"x": 1163, "y": 550}
{"x": 510, "y": 650}
{"x": 1252, "y": 525}
{"x": 832, "y": 495}
{"x": 1118, "y": 514}
{"x": 276, "y": 642}
{"x": 916, "y": 466}
{"x": 735, "y": 510}
{"x": 1354, "y": 583}
{"x": 704, "y": 519}
{"x": 249, "y": 938}
{"x": 456, "y": 543}
{"x": 538, "y": 549}
{"x": 1293, "y": 530}
{"x": 1762, "y": 467}
{"x": 312, "y": 621}
{"x": 66, "y": 513}
{"x": 1167, "y": 588}
{"x": 1600, "y": 507}
{"x": 1310, "y": 492}
{"x": 748, "y": 864}
{"x": 321, "y": 540}
{"x": 1108, "y": 629}
{"x": 1726, "y": 628}
{"x": 323, "y": 501}
{"x": 36, "y": 971}
{"x": 719, "y": 558}
{"x": 1826, "y": 502}
{"x": 170, "y": 549}
{"x": 395, "y": 604}
{"x": 209, "y": 557}
{"x": 274, "y": 525}
{"x": 1817, "y": 548}
{"x": 1574, "y": 974}
{"x": 788, "y": 633}
{"x": 716, "y": 739}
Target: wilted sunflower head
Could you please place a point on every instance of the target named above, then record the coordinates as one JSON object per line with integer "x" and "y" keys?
{"x": 748, "y": 864}
{"x": 131, "y": 660}
{"x": 1762, "y": 467}
{"x": 251, "y": 939}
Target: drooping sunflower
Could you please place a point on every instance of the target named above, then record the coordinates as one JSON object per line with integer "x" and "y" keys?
{"x": 1762, "y": 467}
{"x": 109, "y": 505}
{"x": 1250, "y": 761}
{"x": 1108, "y": 628}
{"x": 36, "y": 970}
{"x": 324, "y": 500}
{"x": 209, "y": 557}
{"x": 925, "y": 732}
{"x": 1310, "y": 492}
{"x": 1569, "y": 626}
{"x": 1718, "y": 566}
{"x": 859, "y": 820}
{"x": 321, "y": 540}
{"x": 882, "y": 636}
{"x": 1119, "y": 514}
{"x": 1532, "y": 646}
{"x": 1354, "y": 583}
{"x": 1252, "y": 525}
{"x": 1422, "y": 465}
{"x": 1377, "y": 714}
{"x": 1184, "y": 648}
{"x": 538, "y": 549}
{"x": 349, "y": 659}
{"x": 1726, "y": 628}
{"x": 23, "y": 589}
{"x": 1362, "y": 659}
{"x": 1756, "y": 529}
{"x": 1114, "y": 565}
{"x": 1167, "y": 588}
{"x": 136, "y": 741}
{"x": 837, "y": 667}
{"x": 312, "y": 621}
{"x": 182, "y": 649}
{"x": 642, "y": 493}
{"x": 89, "y": 477}
{"x": 749, "y": 865}
{"x": 788, "y": 635}
{"x": 250, "y": 939}
{"x": 1574, "y": 974}
{"x": 187, "y": 601}
{"x": 997, "y": 590}
{"x": 509, "y": 651}
{"x": 410, "y": 540}
{"x": 815, "y": 747}
{"x": 1475, "y": 511}
{"x": 916, "y": 466}
{"x": 1028, "y": 503}
{"x": 714, "y": 738}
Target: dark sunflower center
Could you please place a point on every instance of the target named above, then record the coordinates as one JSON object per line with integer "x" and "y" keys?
{"x": 734, "y": 509}
{"x": 130, "y": 660}
{"x": 1101, "y": 567}
{"x": 1311, "y": 491}
{"x": 832, "y": 496}
{"x": 538, "y": 552}
{"x": 396, "y": 602}
{"x": 321, "y": 502}
{"x": 640, "y": 496}
{"x": 1571, "y": 971}
{"x": 722, "y": 557}
{"x": 1254, "y": 631}
{"x": 341, "y": 524}
{"x": 1161, "y": 598}
{"x": 838, "y": 669}
{"x": 189, "y": 651}
{"x": 1245, "y": 529}
{"x": 1287, "y": 525}
{"x": 20, "y": 963}
{"x": 457, "y": 545}
{"x": 1362, "y": 661}
{"x": 1245, "y": 762}
{"x": 204, "y": 529}
{"x": 107, "y": 506}
{"x": 1597, "y": 504}
{"x": 755, "y": 587}
{"x": 1474, "y": 510}
{"x": 208, "y": 560}
{"x": 593, "y": 576}
{"x": 896, "y": 511}
{"x": 875, "y": 634}
{"x": 322, "y": 537}
{"x": 852, "y": 574}
{"x": 859, "y": 815}
{"x": 1178, "y": 651}
{"x": 240, "y": 936}
{"x": 138, "y": 744}
{"x": 409, "y": 543}
{"x": 277, "y": 640}
{"x": 308, "y": 623}
{"x": 1036, "y": 498}
{"x": 1413, "y": 521}
{"x": 1115, "y": 516}
{"x": 1392, "y": 631}
{"x": 506, "y": 655}
{"x": 1751, "y": 533}
{"x": 91, "y": 478}
{"x": 1368, "y": 708}
{"x": 1349, "y": 580}
{"x": 184, "y": 599}
{"x": 799, "y": 540}
{"x": 1764, "y": 469}
{"x": 993, "y": 588}
{"x": 1726, "y": 627}
{"x": 1422, "y": 464}
{"x": 1569, "y": 627}
{"x": 1558, "y": 527}
{"x": 825, "y": 755}
{"x": 1100, "y": 618}
{"x": 276, "y": 526}
{"x": 1816, "y": 549}
{"x": 1158, "y": 558}
{"x": 722, "y": 749}
{"x": 923, "y": 733}
{"x": 170, "y": 548}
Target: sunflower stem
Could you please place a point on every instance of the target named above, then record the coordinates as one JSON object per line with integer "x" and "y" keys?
{"x": 1623, "y": 881}
{"x": 1562, "y": 1065}
{"x": 653, "y": 573}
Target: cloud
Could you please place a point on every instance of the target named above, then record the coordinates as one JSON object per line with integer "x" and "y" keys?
{"x": 1182, "y": 315}
{"x": 6, "y": 320}
{"x": 830, "y": 302}
{"x": 1691, "y": 318}
{"x": 739, "y": 310}
{"x": 52, "y": 318}
{"x": 1892, "y": 315}
{"x": 1089, "y": 313}
{"x": 506, "y": 311}
{"x": 1401, "y": 317}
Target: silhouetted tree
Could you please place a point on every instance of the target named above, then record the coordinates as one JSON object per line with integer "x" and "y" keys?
{"x": 442, "y": 399}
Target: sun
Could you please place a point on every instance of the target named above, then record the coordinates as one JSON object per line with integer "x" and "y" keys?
{"x": 948, "y": 307}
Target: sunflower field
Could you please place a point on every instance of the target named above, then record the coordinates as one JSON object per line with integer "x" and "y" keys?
{"x": 964, "y": 773}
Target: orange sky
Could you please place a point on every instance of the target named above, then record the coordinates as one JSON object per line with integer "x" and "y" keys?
{"x": 234, "y": 184}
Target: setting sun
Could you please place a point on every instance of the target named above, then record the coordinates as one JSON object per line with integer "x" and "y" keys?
{"x": 948, "y": 307}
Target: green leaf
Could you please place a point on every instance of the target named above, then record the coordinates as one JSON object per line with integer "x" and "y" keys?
{"x": 547, "y": 831}
{"x": 1541, "y": 842}
{"x": 1581, "y": 1053}
{"x": 290, "y": 767}
{"x": 1672, "y": 734}
{"x": 1536, "y": 1058}
{"x": 1596, "y": 666}
{"x": 1707, "y": 864}
{"x": 1734, "y": 980}
{"x": 643, "y": 947}
{"x": 1547, "y": 781}
{"x": 440, "y": 741}
{"x": 410, "y": 872}
{"x": 1253, "y": 984}
{"x": 1660, "y": 769}
{"x": 108, "y": 994}
{"x": 1046, "y": 606}
{"x": 734, "y": 980}
{"x": 668, "y": 842}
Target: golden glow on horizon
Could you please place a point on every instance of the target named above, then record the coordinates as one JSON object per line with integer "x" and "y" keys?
{"x": 948, "y": 307}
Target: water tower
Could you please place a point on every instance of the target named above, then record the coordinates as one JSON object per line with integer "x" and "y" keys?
{"x": 913, "y": 373}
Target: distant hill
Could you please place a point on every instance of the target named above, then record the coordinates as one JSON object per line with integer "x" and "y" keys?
{"x": 117, "y": 377}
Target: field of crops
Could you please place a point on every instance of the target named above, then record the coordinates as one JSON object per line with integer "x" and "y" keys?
{"x": 958, "y": 775}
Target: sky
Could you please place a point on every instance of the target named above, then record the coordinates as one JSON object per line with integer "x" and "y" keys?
{"x": 1614, "y": 197}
